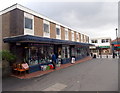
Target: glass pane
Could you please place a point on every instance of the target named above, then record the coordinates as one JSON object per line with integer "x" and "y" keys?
{"x": 33, "y": 56}
{"x": 28, "y": 23}
{"x": 57, "y": 31}
{"x": 46, "y": 28}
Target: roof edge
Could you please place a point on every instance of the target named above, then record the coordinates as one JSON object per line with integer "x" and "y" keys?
{"x": 8, "y": 9}
{"x": 32, "y": 12}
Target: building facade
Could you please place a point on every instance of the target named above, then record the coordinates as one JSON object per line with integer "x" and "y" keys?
{"x": 33, "y": 37}
{"x": 116, "y": 46}
{"x": 102, "y": 45}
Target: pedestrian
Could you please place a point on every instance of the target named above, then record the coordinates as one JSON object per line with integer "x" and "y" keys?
{"x": 54, "y": 60}
{"x": 91, "y": 54}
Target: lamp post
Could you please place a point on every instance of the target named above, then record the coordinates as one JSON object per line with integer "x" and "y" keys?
{"x": 116, "y": 38}
{"x": 113, "y": 48}
{"x": 117, "y": 42}
{"x": 116, "y": 32}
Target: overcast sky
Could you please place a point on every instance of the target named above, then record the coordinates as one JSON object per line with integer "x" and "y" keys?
{"x": 95, "y": 19}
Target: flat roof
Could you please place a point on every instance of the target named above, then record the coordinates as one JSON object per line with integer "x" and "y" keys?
{"x": 100, "y": 38}
{"x": 35, "y": 14}
{"x": 37, "y": 39}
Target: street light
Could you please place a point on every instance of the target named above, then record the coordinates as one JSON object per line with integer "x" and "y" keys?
{"x": 113, "y": 48}
{"x": 116, "y": 39}
{"x": 116, "y": 33}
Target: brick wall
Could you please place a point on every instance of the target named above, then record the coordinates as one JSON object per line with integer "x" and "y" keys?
{"x": 5, "y": 29}
{"x": 38, "y": 26}
{"x": 62, "y": 33}
{"x": 75, "y": 36}
{"x": 79, "y": 37}
{"x": 52, "y": 30}
{"x": 0, "y": 32}
{"x": 69, "y": 34}
{"x": 16, "y": 22}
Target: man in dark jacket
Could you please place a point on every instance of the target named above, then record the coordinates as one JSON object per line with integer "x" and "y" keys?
{"x": 54, "y": 60}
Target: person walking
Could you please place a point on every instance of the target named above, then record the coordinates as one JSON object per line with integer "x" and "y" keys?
{"x": 54, "y": 60}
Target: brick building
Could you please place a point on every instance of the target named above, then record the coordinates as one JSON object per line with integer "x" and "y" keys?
{"x": 33, "y": 37}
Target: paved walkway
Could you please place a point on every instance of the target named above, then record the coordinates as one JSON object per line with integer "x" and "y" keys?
{"x": 92, "y": 75}
{"x": 40, "y": 73}
{"x": 107, "y": 56}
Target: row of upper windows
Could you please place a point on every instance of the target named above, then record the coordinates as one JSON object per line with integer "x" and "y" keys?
{"x": 46, "y": 29}
{"x": 102, "y": 41}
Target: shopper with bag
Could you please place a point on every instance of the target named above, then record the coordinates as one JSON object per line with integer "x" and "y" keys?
{"x": 54, "y": 60}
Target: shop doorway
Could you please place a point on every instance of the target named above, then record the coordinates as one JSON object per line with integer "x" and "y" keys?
{"x": 57, "y": 50}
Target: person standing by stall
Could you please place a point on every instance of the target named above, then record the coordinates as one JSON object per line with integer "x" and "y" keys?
{"x": 54, "y": 60}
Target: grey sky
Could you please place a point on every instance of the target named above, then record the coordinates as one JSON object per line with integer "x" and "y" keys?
{"x": 96, "y": 19}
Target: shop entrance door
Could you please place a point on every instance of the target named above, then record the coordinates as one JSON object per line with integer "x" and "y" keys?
{"x": 57, "y": 50}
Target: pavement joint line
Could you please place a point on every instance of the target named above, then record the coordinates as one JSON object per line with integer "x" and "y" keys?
{"x": 56, "y": 87}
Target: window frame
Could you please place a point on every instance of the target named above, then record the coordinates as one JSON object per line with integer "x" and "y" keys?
{"x": 44, "y": 28}
{"x": 57, "y": 31}
{"x": 66, "y": 34}
{"x": 73, "y": 36}
{"x": 25, "y": 23}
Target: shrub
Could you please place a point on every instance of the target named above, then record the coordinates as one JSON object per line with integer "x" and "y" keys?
{"x": 6, "y": 55}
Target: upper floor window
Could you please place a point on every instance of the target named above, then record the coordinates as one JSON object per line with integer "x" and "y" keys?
{"x": 82, "y": 38}
{"x": 66, "y": 34}
{"x": 57, "y": 31}
{"x": 77, "y": 37}
{"x": 72, "y": 35}
{"x": 105, "y": 40}
{"x": 94, "y": 41}
{"x": 46, "y": 28}
{"x": 28, "y": 23}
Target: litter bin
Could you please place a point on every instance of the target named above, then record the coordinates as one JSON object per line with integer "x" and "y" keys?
{"x": 59, "y": 62}
{"x": 73, "y": 60}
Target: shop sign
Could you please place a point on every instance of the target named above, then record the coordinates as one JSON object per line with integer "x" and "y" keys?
{"x": 117, "y": 45}
{"x": 104, "y": 46}
{"x": 92, "y": 47}
{"x": 18, "y": 44}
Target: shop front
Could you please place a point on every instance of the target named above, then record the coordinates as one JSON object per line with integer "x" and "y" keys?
{"x": 37, "y": 51}
{"x": 105, "y": 50}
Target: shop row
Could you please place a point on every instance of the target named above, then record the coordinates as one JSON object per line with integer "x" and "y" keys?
{"x": 37, "y": 55}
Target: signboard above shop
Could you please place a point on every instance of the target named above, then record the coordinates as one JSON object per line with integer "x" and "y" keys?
{"x": 104, "y": 46}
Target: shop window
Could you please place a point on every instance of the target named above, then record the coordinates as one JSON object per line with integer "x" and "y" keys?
{"x": 33, "y": 59}
{"x": 28, "y": 23}
{"x": 66, "y": 51}
{"x": 38, "y": 54}
{"x": 46, "y": 28}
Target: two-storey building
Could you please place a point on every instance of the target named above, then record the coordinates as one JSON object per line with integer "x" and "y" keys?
{"x": 102, "y": 45}
{"x": 33, "y": 37}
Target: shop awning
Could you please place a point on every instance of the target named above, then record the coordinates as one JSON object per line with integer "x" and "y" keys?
{"x": 30, "y": 38}
{"x": 116, "y": 42}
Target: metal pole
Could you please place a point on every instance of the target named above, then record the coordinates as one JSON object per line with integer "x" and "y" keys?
{"x": 116, "y": 40}
{"x": 116, "y": 32}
